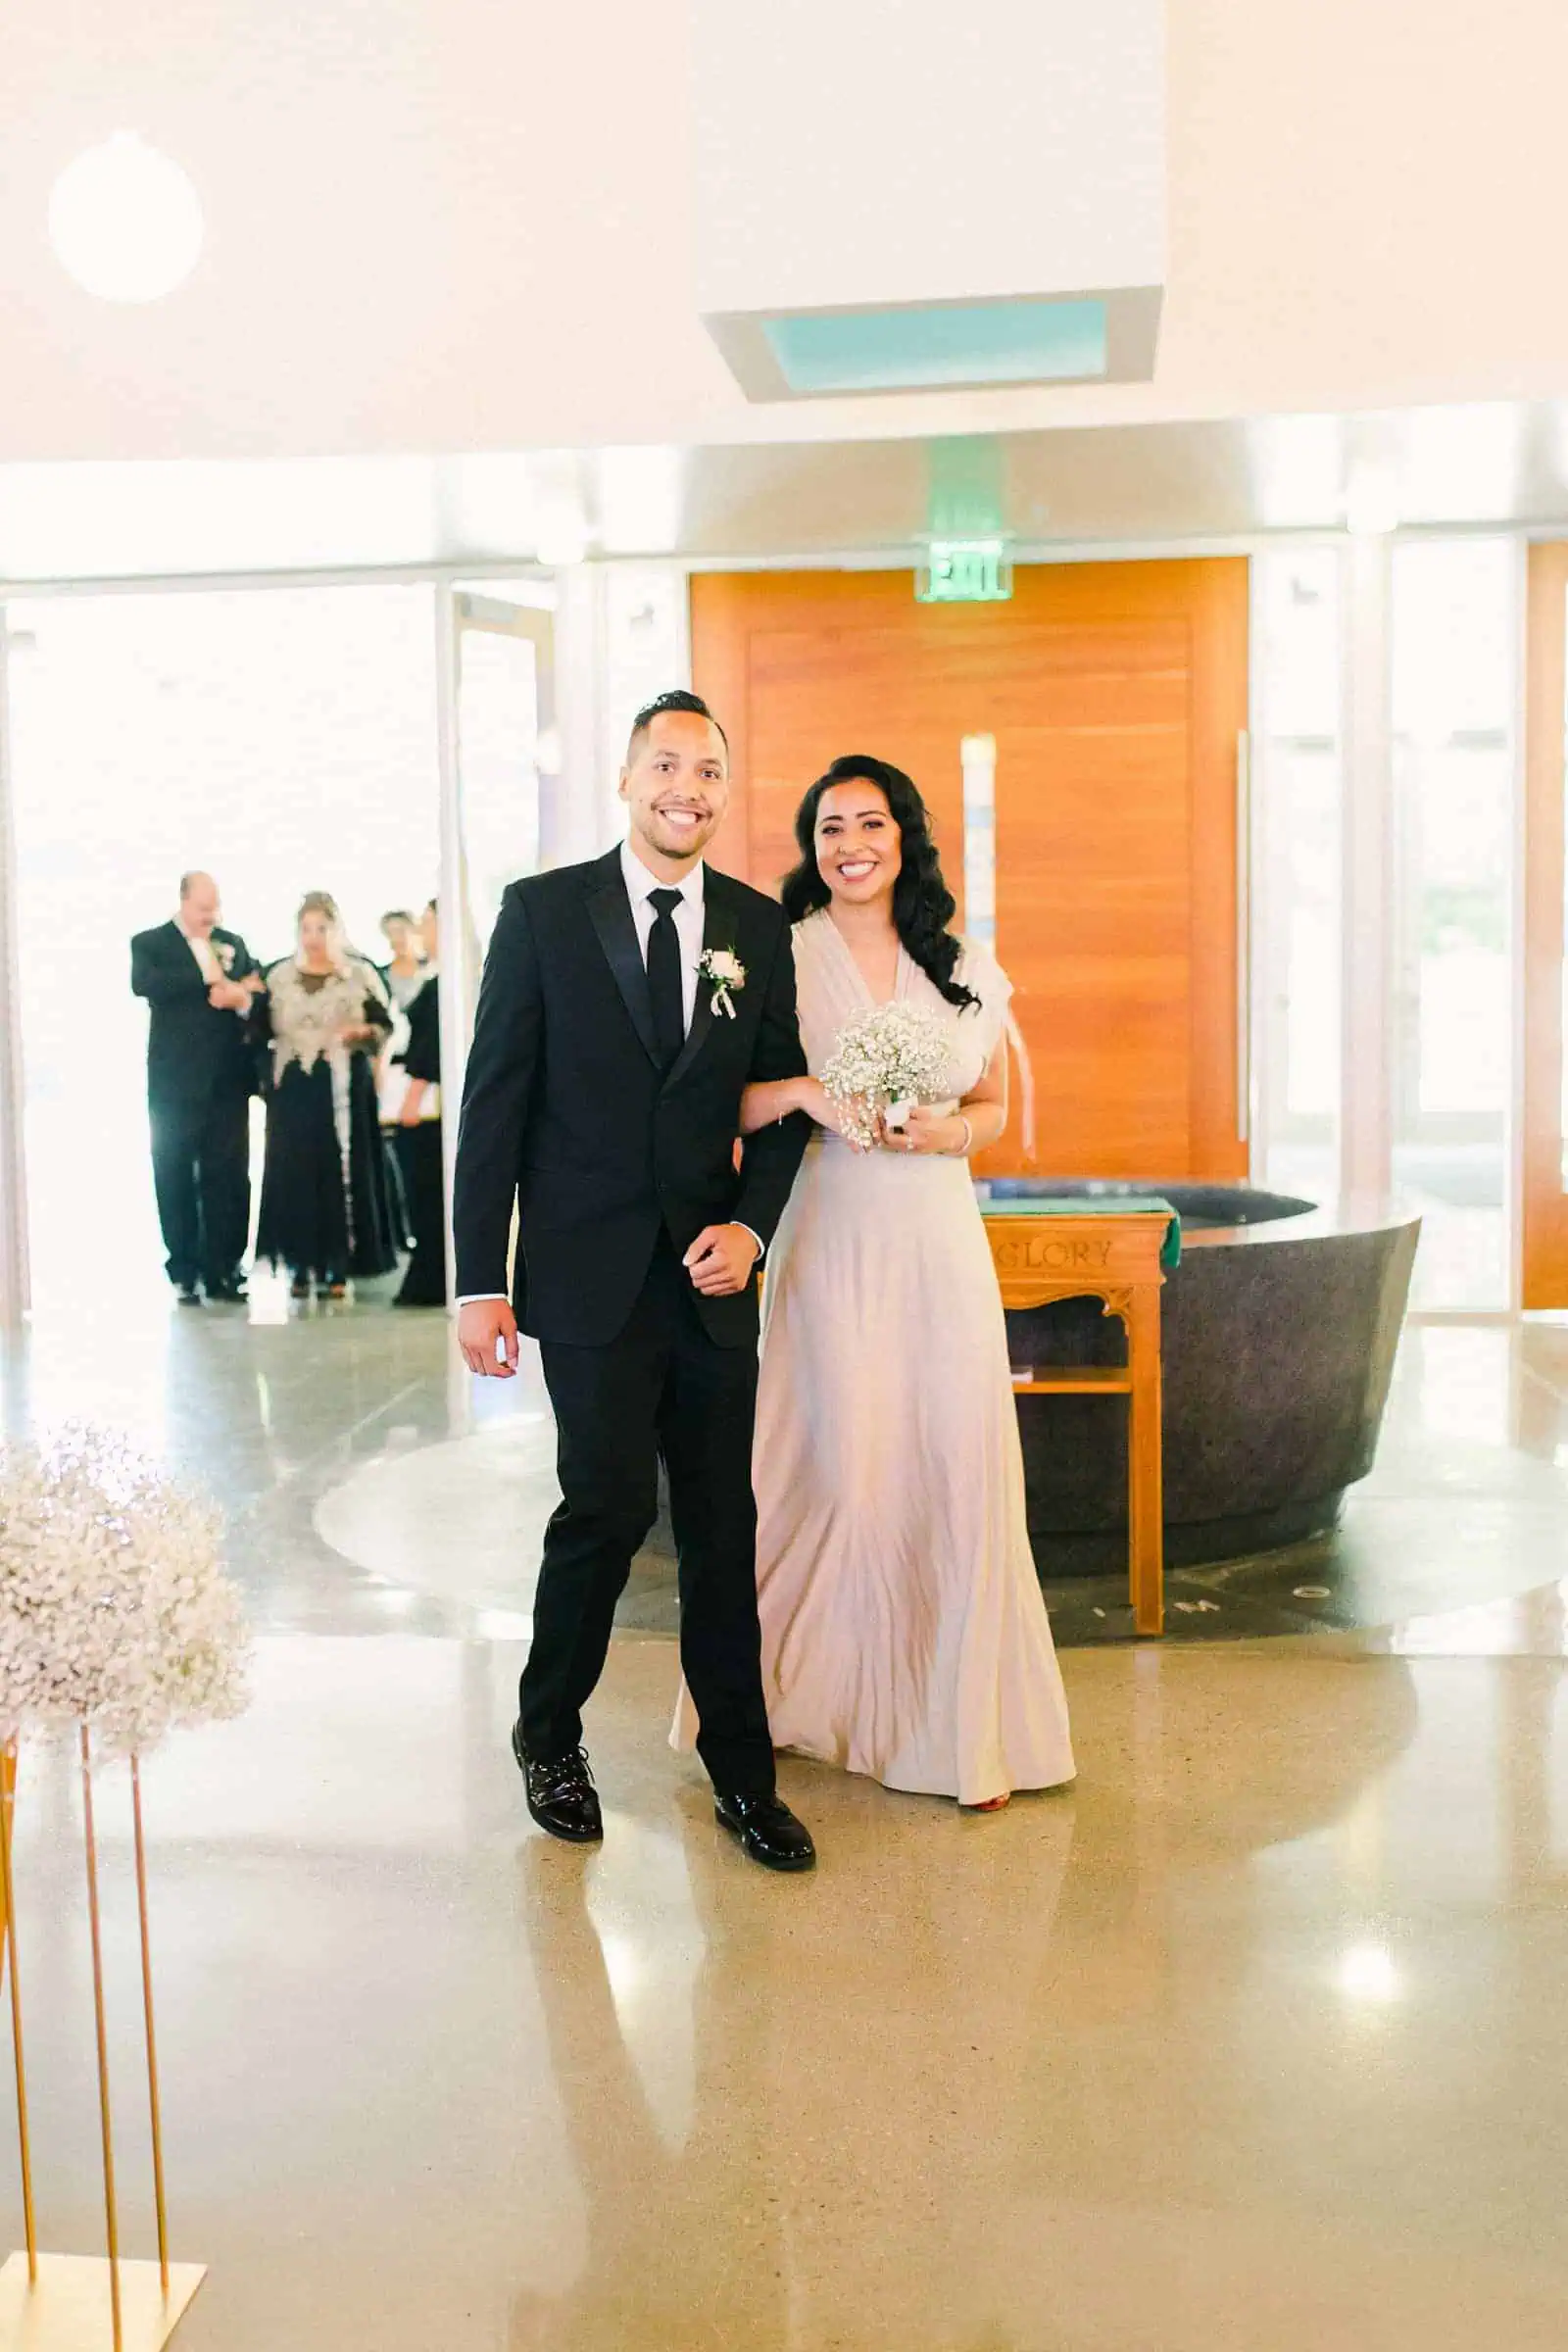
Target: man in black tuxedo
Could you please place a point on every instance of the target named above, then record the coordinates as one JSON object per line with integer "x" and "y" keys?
{"x": 200, "y": 982}
{"x": 603, "y": 1097}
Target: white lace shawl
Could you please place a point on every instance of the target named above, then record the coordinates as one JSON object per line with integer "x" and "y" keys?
{"x": 306, "y": 1020}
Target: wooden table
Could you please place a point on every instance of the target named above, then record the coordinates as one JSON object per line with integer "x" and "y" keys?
{"x": 1114, "y": 1258}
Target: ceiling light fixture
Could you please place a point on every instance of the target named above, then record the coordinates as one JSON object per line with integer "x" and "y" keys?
{"x": 125, "y": 220}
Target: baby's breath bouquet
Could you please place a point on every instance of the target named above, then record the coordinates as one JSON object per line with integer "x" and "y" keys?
{"x": 115, "y": 1608}
{"x": 882, "y": 1063}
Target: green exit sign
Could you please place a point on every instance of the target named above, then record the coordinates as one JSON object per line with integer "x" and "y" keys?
{"x": 966, "y": 572}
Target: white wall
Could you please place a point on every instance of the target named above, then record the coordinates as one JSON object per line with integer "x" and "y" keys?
{"x": 468, "y": 223}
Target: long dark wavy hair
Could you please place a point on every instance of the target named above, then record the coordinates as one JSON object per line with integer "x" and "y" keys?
{"x": 922, "y": 904}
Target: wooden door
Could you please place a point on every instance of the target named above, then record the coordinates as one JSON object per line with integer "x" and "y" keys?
{"x": 1116, "y": 693}
{"x": 1545, "y": 1218}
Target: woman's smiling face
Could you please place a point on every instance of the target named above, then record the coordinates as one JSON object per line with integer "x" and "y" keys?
{"x": 859, "y": 852}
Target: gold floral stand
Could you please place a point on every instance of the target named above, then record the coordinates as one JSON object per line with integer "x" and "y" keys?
{"x": 68, "y": 2302}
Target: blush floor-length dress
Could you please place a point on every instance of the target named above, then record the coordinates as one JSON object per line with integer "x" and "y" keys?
{"x": 903, "y": 1631}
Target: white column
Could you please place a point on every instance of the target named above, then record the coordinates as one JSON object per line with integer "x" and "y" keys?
{"x": 16, "y": 1294}
{"x": 1366, "y": 1011}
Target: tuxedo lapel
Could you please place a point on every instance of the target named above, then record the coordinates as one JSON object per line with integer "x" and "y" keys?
{"x": 609, "y": 910}
{"x": 718, "y": 931}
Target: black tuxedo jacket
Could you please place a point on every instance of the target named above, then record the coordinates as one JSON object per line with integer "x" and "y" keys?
{"x": 193, "y": 1051}
{"x": 566, "y": 1112}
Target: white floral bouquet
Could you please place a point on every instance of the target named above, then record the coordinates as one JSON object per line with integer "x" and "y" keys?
{"x": 882, "y": 1063}
{"x": 115, "y": 1607}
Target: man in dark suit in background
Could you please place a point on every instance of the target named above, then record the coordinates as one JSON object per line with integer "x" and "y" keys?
{"x": 626, "y": 1005}
{"x": 200, "y": 982}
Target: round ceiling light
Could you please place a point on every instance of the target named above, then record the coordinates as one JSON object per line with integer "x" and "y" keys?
{"x": 125, "y": 221}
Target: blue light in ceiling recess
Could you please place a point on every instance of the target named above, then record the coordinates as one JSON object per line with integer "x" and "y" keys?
{"x": 949, "y": 343}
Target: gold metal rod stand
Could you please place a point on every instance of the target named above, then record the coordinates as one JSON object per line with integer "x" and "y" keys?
{"x": 103, "y": 2039}
{"x": 8, "y": 1897}
{"x": 151, "y": 2038}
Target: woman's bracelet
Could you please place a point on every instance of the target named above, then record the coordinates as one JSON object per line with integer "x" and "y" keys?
{"x": 967, "y": 1145}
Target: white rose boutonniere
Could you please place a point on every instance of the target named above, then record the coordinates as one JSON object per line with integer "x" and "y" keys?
{"x": 224, "y": 954}
{"x": 725, "y": 976}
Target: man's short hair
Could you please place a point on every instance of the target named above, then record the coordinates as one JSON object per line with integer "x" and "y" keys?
{"x": 677, "y": 699}
{"x": 395, "y": 915}
{"x": 189, "y": 882}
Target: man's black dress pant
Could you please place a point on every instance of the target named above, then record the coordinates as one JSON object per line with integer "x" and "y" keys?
{"x": 661, "y": 1389}
{"x": 201, "y": 1176}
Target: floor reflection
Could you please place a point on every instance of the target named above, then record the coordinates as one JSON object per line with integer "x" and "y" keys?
{"x": 371, "y": 1487}
{"x": 1197, "y": 2039}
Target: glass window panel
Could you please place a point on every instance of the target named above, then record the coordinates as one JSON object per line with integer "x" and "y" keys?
{"x": 1297, "y": 871}
{"x": 1562, "y": 1113}
{"x": 1454, "y": 638}
{"x": 283, "y": 738}
{"x": 498, "y": 735}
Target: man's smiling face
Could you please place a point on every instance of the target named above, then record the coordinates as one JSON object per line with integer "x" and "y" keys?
{"x": 677, "y": 788}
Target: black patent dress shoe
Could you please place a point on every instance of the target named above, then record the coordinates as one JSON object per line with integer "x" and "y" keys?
{"x": 561, "y": 1792}
{"x": 190, "y": 1293}
{"x": 767, "y": 1830}
{"x": 228, "y": 1293}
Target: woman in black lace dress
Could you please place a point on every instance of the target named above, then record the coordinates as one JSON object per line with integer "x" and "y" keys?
{"x": 325, "y": 1210}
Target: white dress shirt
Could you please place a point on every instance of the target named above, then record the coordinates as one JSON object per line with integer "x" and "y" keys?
{"x": 688, "y": 918}
{"x": 205, "y": 952}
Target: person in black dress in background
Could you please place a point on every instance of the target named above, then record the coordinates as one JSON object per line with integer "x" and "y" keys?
{"x": 417, "y": 1135}
{"x": 405, "y": 976}
{"x": 325, "y": 1207}
{"x": 199, "y": 981}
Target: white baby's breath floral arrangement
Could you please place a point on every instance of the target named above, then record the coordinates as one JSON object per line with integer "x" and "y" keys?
{"x": 882, "y": 1063}
{"x": 115, "y": 1607}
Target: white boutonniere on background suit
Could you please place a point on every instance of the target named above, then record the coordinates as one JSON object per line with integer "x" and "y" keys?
{"x": 224, "y": 954}
{"x": 725, "y": 976}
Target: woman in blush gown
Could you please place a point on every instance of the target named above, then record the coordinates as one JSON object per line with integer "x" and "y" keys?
{"x": 903, "y": 1632}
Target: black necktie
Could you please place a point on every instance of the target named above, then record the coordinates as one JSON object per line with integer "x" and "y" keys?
{"x": 663, "y": 976}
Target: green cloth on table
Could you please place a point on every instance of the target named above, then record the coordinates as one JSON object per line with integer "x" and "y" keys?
{"x": 1099, "y": 1205}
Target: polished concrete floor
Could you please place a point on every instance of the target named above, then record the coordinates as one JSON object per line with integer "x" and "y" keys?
{"x": 1253, "y": 2039}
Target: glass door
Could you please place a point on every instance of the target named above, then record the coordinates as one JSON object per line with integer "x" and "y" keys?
{"x": 496, "y": 691}
{"x": 15, "y": 1272}
{"x": 1452, "y": 958}
{"x": 280, "y": 737}
{"x": 1545, "y": 1281}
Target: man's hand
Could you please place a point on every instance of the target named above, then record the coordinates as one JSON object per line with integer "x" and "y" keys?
{"x": 480, "y": 1325}
{"x": 229, "y": 996}
{"x": 720, "y": 1261}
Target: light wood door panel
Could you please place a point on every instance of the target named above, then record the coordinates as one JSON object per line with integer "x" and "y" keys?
{"x": 1116, "y": 693}
{"x": 1095, "y": 897}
